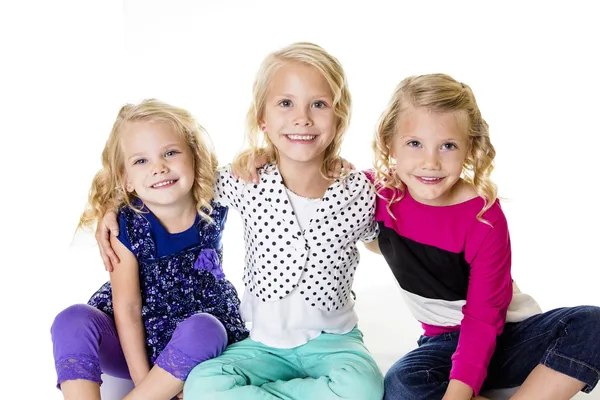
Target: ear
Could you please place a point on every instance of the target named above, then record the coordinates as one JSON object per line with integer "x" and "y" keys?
{"x": 392, "y": 150}
{"x": 262, "y": 126}
{"x": 128, "y": 184}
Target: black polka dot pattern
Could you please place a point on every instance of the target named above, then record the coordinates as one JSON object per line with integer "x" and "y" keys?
{"x": 319, "y": 261}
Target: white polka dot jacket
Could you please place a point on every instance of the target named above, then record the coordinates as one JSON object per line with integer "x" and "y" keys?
{"x": 319, "y": 261}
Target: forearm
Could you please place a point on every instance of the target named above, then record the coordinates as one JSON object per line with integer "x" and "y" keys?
{"x": 130, "y": 329}
{"x": 458, "y": 390}
{"x": 373, "y": 246}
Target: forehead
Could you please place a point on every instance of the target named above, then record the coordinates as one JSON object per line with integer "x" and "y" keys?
{"x": 423, "y": 122}
{"x": 139, "y": 136}
{"x": 300, "y": 78}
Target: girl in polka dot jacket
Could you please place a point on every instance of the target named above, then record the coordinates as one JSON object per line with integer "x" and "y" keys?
{"x": 300, "y": 232}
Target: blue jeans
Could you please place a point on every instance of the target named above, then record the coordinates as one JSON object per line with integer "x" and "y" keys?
{"x": 566, "y": 340}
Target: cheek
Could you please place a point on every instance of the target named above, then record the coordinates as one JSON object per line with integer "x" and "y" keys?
{"x": 456, "y": 161}
{"x": 272, "y": 136}
{"x": 272, "y": 118}
{"x": 327, "y": 121}
{"x": 400, "y": 152}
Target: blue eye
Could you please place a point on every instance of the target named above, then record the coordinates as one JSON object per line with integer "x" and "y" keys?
{"x": 140, "y": 161}
{"x": 319, "y": 104}
{"x": 414, "y": 143}
{"x": 285, "y": 103}
{"x": 171, "y": 153}
{"x": 449, "y": 146}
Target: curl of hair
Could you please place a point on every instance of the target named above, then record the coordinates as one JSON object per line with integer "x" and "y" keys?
{"x": 438, "y": 93}
{"x": 108, "y": 192}
{"x": 257, "y": 143}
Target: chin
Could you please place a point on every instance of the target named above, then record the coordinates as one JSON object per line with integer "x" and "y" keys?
{"x": 301, "y": 158}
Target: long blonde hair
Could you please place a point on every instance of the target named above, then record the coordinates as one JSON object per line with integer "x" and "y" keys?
{"x": 258, "y": 143}
{"x": 108, "y": 191}
{"x": 438, "y": 93}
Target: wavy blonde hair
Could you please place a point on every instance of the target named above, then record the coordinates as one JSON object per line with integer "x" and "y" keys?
{"x": 438, "y": 93}
{"x": 108, "y": 191}
{"x": 258, "y": 144}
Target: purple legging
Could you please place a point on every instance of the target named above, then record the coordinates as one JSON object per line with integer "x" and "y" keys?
{"x": 86, "y": 344}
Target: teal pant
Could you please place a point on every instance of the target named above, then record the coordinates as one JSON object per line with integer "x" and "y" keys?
{"x": 328, "y": 367}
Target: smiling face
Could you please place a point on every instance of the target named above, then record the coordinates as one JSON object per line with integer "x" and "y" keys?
{"x": 430, "y": 150}
{"x": 159, "y": 165}
{"x": 298, "y": 116}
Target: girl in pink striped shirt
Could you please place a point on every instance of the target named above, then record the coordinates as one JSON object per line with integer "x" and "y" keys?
{"x": 445, "y": 237}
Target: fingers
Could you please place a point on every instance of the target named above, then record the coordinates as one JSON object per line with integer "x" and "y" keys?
{"x": 108, "y": 250}
{"x": 106, "y": 261}
{"x": 109, "y": 258}
{"x": 105, "y": 227}
{"x": 113, "y": 226}
{"x": 335, "y": 170}
{"x": 347, "y": 166}
{"x": 242, "y": 174}
{"x": 259, "y": 162}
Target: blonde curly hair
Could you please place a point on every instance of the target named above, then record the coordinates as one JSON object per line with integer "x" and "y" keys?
{"x": 258, "y": 144}
{"x": 108, "y": 191}
{"x": 438, "y": 93}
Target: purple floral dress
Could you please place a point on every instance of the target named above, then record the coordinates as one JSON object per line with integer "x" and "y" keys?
{"x": 177, "y": 285}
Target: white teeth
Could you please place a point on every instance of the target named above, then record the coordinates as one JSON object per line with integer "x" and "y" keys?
{"x": 162, "y": 184}
{"x": 430, "y": 179}
{"x": 301, "y": 137}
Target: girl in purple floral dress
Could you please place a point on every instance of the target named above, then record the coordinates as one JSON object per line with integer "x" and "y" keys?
{"x": 168, "y": 306}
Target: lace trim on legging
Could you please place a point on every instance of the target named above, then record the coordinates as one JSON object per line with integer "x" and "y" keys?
{"x": 78, "y": 366}
{"x": 175, "y": 362}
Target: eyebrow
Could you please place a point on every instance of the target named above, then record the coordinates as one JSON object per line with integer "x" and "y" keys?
{"x": 174, "y": 144}
{"x": 320, "y": 95}
{"x": 418, "y": 138}
{"x": 135, "y": 156}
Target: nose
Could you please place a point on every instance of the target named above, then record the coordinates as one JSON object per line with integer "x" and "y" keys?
{"x": 302, "y": 117}
{"x": 160, "y": 168}
{"x": 431, "y": 161}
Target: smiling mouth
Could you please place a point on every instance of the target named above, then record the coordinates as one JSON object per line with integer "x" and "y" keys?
{"x": 429, "y": 180}
{"x": 304, "y": 138}
{"x": 163, "y": 184}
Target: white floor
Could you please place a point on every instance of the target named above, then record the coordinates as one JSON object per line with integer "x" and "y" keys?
{"x": 388, "y": 335}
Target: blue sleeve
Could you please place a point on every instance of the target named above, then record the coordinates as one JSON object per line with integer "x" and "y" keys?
{"x": 221, "y": 215}
{"x": 123, "y": 235}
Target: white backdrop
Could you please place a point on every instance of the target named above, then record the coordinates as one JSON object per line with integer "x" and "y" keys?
{"x": 68, "y": 67}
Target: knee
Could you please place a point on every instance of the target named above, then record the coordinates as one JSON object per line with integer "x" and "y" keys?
{"x": 401, "y": 379}
{"x": 202, "y": 332}
{"x": 73, "y": 320}
{"x": 588, "y": 316}
{"x": 202, "y": 380}
{"x": 203, "y": 326}
{"x": 362, "y": 381}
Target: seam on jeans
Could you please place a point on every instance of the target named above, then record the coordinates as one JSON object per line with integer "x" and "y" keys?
{"x": 576, "y": 362}
{"x": 428, "y": 370}
{"x": 551, "y": 350}
{"x": 527, "y": 341}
